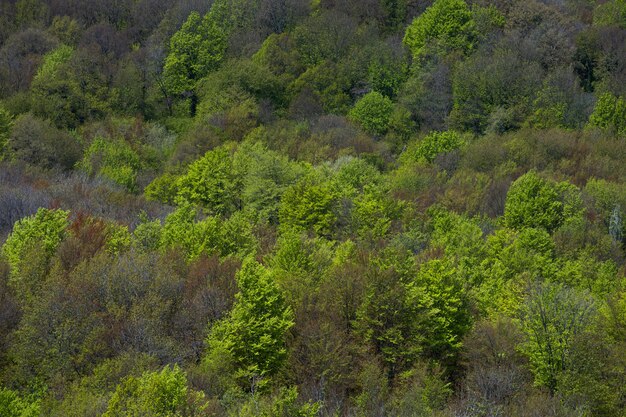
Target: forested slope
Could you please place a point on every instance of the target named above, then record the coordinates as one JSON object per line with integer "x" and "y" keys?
{"x": 306, "y": 208}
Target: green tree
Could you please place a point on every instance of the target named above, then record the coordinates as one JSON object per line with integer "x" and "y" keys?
{"x": 432, "y": 145}
{"x": 195, "y": 50}
{"x": 253, "y": 334}
{"x": 6, "y": 122}
{"x": 551, "y": 319}
{"x": 373, "y": 112}
{"x": 610, "y": 114}
{"x": 610, "y": 13}
{"x": 309, "y": 205}
{"x": 44, "y": 230}
{"x": 13, "y": 405}
{"x": 156, "y": 394}
{"x": 533, "y": 202}
{"x": 446, "y": 26}
{"x": 115, "y": 160}
{"x": 212, "y": 182}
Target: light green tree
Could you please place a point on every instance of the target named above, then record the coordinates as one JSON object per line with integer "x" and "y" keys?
{"x": 195, "y": 50}
{"x": 445, "y": 26}
{"x": 551, "y": 318}
{"x": 13, "y": 405}
{"x": 253, "y": 334}
{"x": 533, "y": 202}
{"x": 44, "y": 231}
{"x": 610, "y": 114}
{"x": 212, "y": 182}
{"x": 373, "y": 112}
{"x": 156, "y": 394}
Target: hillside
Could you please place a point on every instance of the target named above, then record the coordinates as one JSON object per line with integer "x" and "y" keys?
{"x": 300, "y": 208}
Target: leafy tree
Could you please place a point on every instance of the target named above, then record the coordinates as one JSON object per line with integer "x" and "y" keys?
{"x": 309, "y": 205}
{"x": 182, "y": 231}
{"x": 114, "y": 160}
{"x": 13, "y": 405}
{"x": 39, "y": 143}
{"x": 610, "y": 13}
{"x": 212, "y": 182}
{"x": 195, "y": 50}
{"x": 610, "y": 114}
{"x": 373, "y": 112}
{"x": 551, "y": 318}
{"x": 156, "y": 394}
{"x": 253, "y": 335}
{"x": 432, "y": 145}
{"x": 533, "y": 202}
{"x": 44, "y": 230}
{"x": 391, "y": 319}
{"x": 446, "y": 26}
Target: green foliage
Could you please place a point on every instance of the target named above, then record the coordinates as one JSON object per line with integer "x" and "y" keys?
{"x": 432, "y": 145}
{"x": 196, "y": 49}
{"x": 13, "y": 405}
{"x": 610, "y": 13}
{"x": 37, "y": 142}
{"x": 373, "y": 112}
{"x": 253, "y": 334}
{"x": 281, "y": 404}
{"x": 309, "y": 205}
{"x": 267, "y": 176}
{"x": 182, "y": 231}
{"x": 446, "y": 26}
{"x": 6, "y": 123}
{"x": 56, "y": 94}
{"x": 552, "y": 317}
{"x": 211, "y": 182}
{"x": 609, "y": 114}
{"x": 533, "y": 202}
{"x": 44, "y": 231}
{"x": 114, "y": 160}
{"x": 156, "y": 394}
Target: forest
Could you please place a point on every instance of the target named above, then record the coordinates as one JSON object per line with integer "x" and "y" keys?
{"x": 313, "y": 208}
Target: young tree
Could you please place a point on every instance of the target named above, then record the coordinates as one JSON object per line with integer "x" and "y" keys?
{"x": 551, "y": 318}
{"x": 446, "y": 26}
{"x": 372, "y": 112}
{"x": 253, "y": 335}
{"x": 195, "y": 50}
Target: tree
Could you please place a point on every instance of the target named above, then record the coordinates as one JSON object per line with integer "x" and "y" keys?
{"x": 533, "y": 202}
{"x": 309, "y": 205}
{"x": 446, "y": 26}
{"x": 253, "y": 334}
{"x": 6, "y": 122}
{"x": 44, "y": 230}
{"x": 13, "y": 405}
{"x": 212, "y": 182}
{"x": 156, "y": 394}
{"x": 372, "y": 112}
{"x": 114, "y": 160}
{"x": 434, "y": 144}
{"x": 195, "y": 50}
{"x": 610, "y": 114}
{"x": 551, "y": 319}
